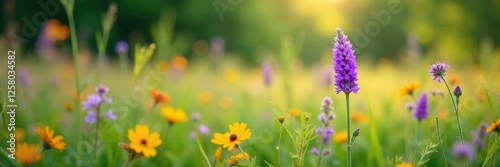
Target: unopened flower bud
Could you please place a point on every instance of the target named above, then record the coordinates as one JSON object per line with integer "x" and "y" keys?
{"x": 281, "y": 119}
{"x": 458, "y": 91}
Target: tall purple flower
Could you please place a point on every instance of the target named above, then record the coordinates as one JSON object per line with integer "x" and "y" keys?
{"x": 267, "y": 73}
{"x": 344, "y": 64}
{"x": 422, "y": 108}
{"x": 438, "y": 70}
{"x": 464, "y": 151}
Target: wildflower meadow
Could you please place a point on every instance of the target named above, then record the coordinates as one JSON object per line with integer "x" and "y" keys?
{"x": 249, "y": 83}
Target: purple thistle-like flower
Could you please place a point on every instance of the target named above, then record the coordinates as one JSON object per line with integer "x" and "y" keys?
{"x": 438, "y": 70}
{"x": 344, "y": 65}
{"x": 422, "y": 108}
{"x": 110, "y": 115}
{"x": 315, "y": 151}
{"x": 464, "y": 151}
{"x": 121, "y": 47}
{"x": 479, "y": 143}
{"x": 204, "y": 129}
{"x": 91, "y": 117}
{"x": 267, "y": 73}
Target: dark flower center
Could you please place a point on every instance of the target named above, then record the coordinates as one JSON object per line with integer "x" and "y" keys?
{"x": 233, "y": 137}
{"x": 143, "y": 142}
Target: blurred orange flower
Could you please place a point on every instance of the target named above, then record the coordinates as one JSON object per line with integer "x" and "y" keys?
{"x": 205, "y": 98}
{"x": 294, "y": 112}
{"x": 179, "y": 62}
{"x": 159, "y": 96}
{"x": 236, "y": 159}
{"x": 218, "y": 153}
{"x": 409, "y": 89}
{"x": 453, "y": 79}
{"x": 56, "y": 31}
{"x": 26, "y": 152}
{"x": 495, "y": 126}
{"x": 404, "y": 164}
{"x": 359, "y": 117}
{"x": 340, "y": 136}
{"x": 162, "y": 66}
{"x": 49, "y": 141}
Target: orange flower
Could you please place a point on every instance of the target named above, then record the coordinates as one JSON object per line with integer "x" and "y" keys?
{"x": 340, "y": 136}
{"x": 236, "y": 159}
{"x": 49, "y": 141}
{"x": 238, "y": 132}
{"x": 218, "y": 153}
{"x": 495, "y": 126}
{"x": 26, "y": 152}
{"x": 179, "y": 62}
{"x": 454, "y": 79}
{"x": 56, "y": 31}
{"x": 409, "y": 89}
{"x": 205, "y": 98}
{"x": 68, "y": 106}
{"x": 359, "y": 117}
{"x": 404, "y": 164}
{"x": 159, "y": 97}
{"x": 294, "y": 112}
{"x": 162, "y": 66}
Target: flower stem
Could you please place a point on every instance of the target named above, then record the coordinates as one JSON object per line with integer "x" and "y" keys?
{"x": 441, "y": 142}
{"x": 128, "y": 160}
{"x": 279, "y": 144}
{"x": 320, "y": 155}
{"x": 348, "y": 131}
{"x": 96, "y": 136}
{"x": 455, "y": 107}
{"x": 198, "y": 142}
{"x": 36, "y": 155}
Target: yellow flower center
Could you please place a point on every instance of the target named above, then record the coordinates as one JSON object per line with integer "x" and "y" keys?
{"x": 143, "y": 142}
{"x": 233, "y": 137}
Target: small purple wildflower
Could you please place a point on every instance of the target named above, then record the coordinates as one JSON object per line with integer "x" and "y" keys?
{"x": 325, "y": 104}
{"x": 410, "y": 106}
{"x": 195, "y": 116}
{"x": 319, "y": 131}
{"x": 121, "y": 47}
{"x": 315, "y": 151}
{"x": 91, "y": 117}
{"x": 422, "y": 108}
{"x": 327, "y": 135}
{"x": 267, "y": 73}
{"x": 110, "y": 115}
{"x": 217, "y": 44}
{"x": 438, "y": 70}
{"x": 464, "y": 151}
{"x": 204, "y": 129}
{"x": 344, "y": 62}
{"x": 322, "y": 118}
{"x": 95, "y": 100}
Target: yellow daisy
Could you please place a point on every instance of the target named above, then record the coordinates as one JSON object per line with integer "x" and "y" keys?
{"x": 173, "y": 115}
{"x": 236, "y": 159}
{"x": 340, "y": 136}
{"x": 142, "y": 142}
{"x": 495, "y": 126}
{"x": 238, "y": 132}
{"x": 404, "y": 164}
{"x": 409, "y": 89}
{"x": 25, "y": 153}
{"x": 49, "y": 141}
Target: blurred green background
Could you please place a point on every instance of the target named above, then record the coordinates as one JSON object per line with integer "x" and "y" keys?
{"x": 253, "y": 28}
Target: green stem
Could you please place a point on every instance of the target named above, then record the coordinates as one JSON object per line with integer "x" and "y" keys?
{"x": 348, "y": 131}
{"x": 455, "y": 107}
{"x": 96, "y": 136}
{"x": 279, "y": 144}
{"x": 320, "y": 155}
{"x": 200, "y": 147}
{"x": 441, "y": 142}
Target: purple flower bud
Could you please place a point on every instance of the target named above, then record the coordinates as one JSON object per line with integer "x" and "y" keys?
{"x": 121, "y": 47}
{"x": 327, "y": 151}
{"x": 91, "y": 117}
{"x": 322, "y": 118}
{"x": 110, "y": 115}
{"x": 458, "y": 91}
{"x": 267, "y": 73}
{"x": 422, "y": 108}
{"x": 319, "y": 131}
{"x": 438, "y": 70}
{"x": 331, "y": 116}
{"x": 195, "y": 116}
{"x": 464, "y": 151}
{"x": 315, "y": 151}
{"x": 325, "y": 104}
{"x": 101, "y": 90}
{"x": 328, "y": 134}
{"x": 204, "y": 129}
{"x": 344, "y": 64}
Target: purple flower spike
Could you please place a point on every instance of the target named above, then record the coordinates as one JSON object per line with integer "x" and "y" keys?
{"x": 438, "y": 70}
{"x": 464, "y": 151}
{"x": 91, "y": 117}
{"x": 121, "y": 47}
{"x": 315, "y": 151}
{"x": 110, "y": 115}
{"x": 422, "y": 108}
{"x": 267, "y": 73}
{"x": 328, "y": 134}
{"x": 344, "y": 64}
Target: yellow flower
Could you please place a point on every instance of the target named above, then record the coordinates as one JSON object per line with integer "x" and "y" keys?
{"x": 159, "y": 96}
{"x": 49, "y": 141}
{"x": 294, "y": 112}
{"x": 495, "y": 126}
{"x": 236, "y": 159}
{"x": 179, "y": 62}
{"x": 359, "y": 117}
{"x": 218, "y": 153}
{"x": 340, "y": 136}
{"x": 238, "y": 132}
{"x": 18, "y": 134}
{"x": 409, "y": 89}
{"x": 142, "y": 142}
{"x": 162, "y": 66}
{"x": 205, "y": 98}
{"x": 25, "y": 153}
{"x": 173, "y": 115}
{"x": 231, "y": 75}
{"x": 225, "y": 103}
{"x": 404, "y": 164}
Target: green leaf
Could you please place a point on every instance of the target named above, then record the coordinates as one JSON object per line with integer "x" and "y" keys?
{"x": 142, "y": 56}
{"x": 490, "y": 103}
